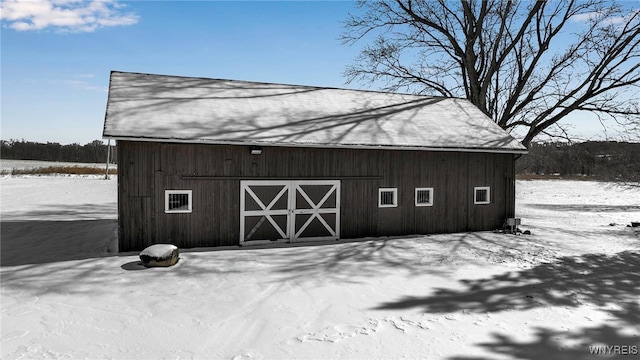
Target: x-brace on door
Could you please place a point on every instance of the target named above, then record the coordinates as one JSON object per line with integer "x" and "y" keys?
{"x": 285, "y": 210}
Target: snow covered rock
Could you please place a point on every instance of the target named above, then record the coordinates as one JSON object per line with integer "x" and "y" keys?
{"x": 159, "y": 255}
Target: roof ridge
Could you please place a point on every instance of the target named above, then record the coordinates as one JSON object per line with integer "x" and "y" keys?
{"x": 292, "y": 85}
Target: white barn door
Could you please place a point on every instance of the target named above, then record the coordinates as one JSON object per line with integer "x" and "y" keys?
{"x": 316, "y": 210}
{"x": 284, "y": 211}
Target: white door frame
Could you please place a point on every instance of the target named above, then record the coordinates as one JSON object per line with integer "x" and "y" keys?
{"x": 291, "y": 188}
{"x": 315, "y": 210}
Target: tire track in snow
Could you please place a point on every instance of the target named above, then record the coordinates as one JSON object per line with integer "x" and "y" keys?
{"x": 244, "y": 323}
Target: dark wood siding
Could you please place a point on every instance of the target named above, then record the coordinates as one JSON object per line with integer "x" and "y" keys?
{"x": 214, "y": 172}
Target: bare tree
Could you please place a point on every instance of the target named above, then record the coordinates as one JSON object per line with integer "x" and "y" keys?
{"x": 525, "y": 64}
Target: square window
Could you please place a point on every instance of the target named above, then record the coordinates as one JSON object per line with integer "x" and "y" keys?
{"x": 387, "y": 197}
{"x": 424, "y": 196}
{"x": 177, "y": 201}
{"x": 482, "y": 195}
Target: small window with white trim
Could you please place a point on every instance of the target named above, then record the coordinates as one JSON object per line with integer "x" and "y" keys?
{"x": 177, "y": 201}
{"x": 387, "y": 197}
{"x": 481, "y": 195}
{"x": 424, "y": 196}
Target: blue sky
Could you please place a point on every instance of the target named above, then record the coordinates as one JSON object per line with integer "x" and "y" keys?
{"x": 55, "y": 66}
{"x": 55, "y": 79}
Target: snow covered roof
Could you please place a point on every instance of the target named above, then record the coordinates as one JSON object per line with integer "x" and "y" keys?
{"x": 213, "y": 111}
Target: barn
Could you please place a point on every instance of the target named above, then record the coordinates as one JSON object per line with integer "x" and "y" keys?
{"x": 211, "y": 162}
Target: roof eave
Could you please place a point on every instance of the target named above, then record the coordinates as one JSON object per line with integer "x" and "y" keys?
{"x": 312, "y": 145}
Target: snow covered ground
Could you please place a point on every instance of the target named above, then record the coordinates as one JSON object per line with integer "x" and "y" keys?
{"x": 574, "y": 283}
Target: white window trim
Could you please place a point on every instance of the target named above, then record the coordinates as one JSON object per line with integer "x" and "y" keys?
{"x": 430, "y": 190}
{"x": 475, "y": 193}
{"x": 172, "y": 192}
{"x": 395, "y": 197}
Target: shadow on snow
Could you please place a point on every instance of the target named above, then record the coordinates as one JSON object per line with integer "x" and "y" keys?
{"x": 605, "y": 281}
{"x": 569, "y": 281}
{"x": 547, "y": 344}
{"x": 41, "y": 242}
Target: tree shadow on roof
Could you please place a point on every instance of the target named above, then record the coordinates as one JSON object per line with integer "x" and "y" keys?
{"x": 221, "y": 111}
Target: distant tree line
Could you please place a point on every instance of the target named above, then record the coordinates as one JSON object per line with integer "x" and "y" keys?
{"x": 93, "y": 152}
{"x": 602, "y": 160}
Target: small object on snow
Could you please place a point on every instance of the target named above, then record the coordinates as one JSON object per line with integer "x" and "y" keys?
{"x": 635, "y": 223}
{"x": 526, "y": 232}
{"x": 511, "y": 225}
{"x": 159, "y": 255}
{"x": 613, "y": 224}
